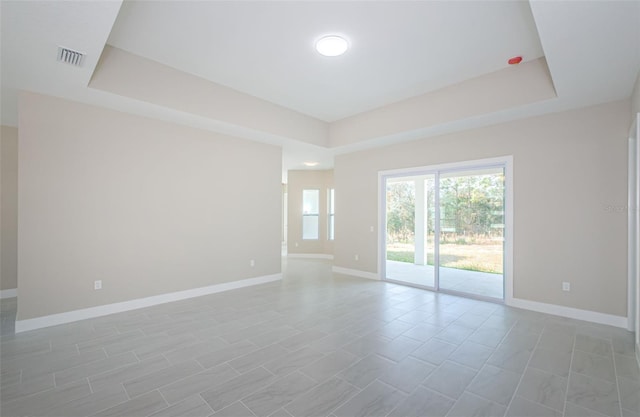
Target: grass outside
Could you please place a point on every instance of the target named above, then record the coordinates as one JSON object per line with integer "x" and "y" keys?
{"x": 472, "y": 257}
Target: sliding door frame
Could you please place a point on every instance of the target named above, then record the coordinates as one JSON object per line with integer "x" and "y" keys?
{"x": 505, "y": 162}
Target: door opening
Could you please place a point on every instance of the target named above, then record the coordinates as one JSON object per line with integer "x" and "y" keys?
{"x": 445, "y": 228}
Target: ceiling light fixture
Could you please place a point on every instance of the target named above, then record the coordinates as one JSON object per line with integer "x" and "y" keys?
{"x": 332, "y": 45}
{"x": 310, "y": 163}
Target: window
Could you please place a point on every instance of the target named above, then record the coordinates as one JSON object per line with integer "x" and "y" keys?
{"x": 331, "y": 195}
{"x": 310, "y": 214}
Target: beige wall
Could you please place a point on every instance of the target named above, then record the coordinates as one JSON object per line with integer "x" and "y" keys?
{"x": 478, "y": 96}
{"x": 298, "y": 181}
{"x": 570, "y": 194}
{"x": 9, "y": 208}
{"x": 130, "y": 75}
{"x": 148, "y": 207}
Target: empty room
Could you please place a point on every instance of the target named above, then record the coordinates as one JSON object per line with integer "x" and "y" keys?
{"x": 320, "y": 208}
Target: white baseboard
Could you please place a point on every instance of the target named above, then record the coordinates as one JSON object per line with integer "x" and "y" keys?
{"x": 103, "y": 310}
{"x": 310, "y": 255}
{"x": 356, "y": 273}
{"x": 10, "y": 293}
{"x": 569, "y": 312}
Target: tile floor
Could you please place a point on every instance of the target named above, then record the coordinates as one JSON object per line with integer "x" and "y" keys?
{"x": 318, "y": 344}
{"x": 8, "y": 309}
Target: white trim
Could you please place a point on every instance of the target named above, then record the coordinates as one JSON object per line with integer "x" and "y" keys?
{"x": 382, "y": 226}
{"x": 103, "y": 310}
{"x": 570, "y": 312}
{"x": 452, "y": 166}
{"x": 508, "y": 228}
{"x": 356, "y": 273}
{"x": 636, "y": 298}
{"x": 310, "y": 255}
{"x": 631, "y": 230}
{"x": 10, "y": 293}
{"x": 633, "y": 204}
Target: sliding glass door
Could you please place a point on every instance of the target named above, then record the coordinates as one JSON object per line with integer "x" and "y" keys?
{"x": 410, "y": 242}
{"x": 445, "y": 230}
{"x": 471, "y": 237}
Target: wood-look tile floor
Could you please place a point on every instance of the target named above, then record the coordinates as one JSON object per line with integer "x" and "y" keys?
{"x": 321, "y": 344}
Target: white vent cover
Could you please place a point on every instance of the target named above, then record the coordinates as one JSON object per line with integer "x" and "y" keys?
{"x": 70, "y": 56}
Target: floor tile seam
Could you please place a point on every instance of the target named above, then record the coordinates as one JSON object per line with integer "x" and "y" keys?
{"x": 99, "y": 411}
{"x": 254, "y": 391}
{"x": 469, "y": 367}
{"x": 476, "y": 370}
{"x": 566, "y": 394}
{"x": 222, "y": 363}
{"x": 625, "y": 355}
{"x": 505, "y": 335}
{"x": 476, "y": 327}
{"x": 422, "y": 384}
{"x": 80, "y": 342}
{"x": 599, "y": 378}
{"x": 473, "y": 394}
{"x": 413, "y": 338}
{"x": 326, "y": 378}
{"x": 524, "y": 371}
{"x": 624, "y": 378}
{"x": 131, "y": 364}
{"x": 105, "y": 346}
{"x": 539, "y": 404}
{"x": 358, "y": 390}
{"x": 84, "y": 364}
{"x": 38, "y": 392}
{"x": 284, "y": 405}
{"x": 615, "y": 375}
{"x": 13, "y": 357}
{"x": 125, "y": 391}
{"x": 26, "y": 396}
{"x": 383, "y": 383}
{"x": 594, "y": 353}
{"x": 247, "y": 407}
{"x": 168, "y": 405}
{"x": 435, "y": 391}
{"x": 254, "y": 351}
{"x": 161, "y": 386}
{"x": 88, "y": 383}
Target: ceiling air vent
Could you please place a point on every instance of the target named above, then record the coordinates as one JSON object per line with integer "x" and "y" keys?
{"x": 70, "y": 56}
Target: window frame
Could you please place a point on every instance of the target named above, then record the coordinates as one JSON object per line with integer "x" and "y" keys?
{"x": 331, "y": 213}
{"x": 311, "y": 214}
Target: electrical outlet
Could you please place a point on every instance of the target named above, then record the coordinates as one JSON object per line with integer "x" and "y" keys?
{"x": 371, "y": 229}
{"x": 296, "y": 244}
{"x": 252, "y": 263}
{"x": 356, "y": 257}
{"x": 97, "y": 285}
{"x": 566, "y": 286}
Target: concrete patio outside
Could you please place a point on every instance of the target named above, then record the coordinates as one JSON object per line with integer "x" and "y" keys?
{"x": 472, "y": 282}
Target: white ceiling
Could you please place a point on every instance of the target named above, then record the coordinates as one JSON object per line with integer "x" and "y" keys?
{"x": 265, "y": 48}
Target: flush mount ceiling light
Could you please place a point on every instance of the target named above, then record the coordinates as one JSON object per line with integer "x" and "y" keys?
{"x": 310, "y": 163}
{"x": 332, "y": 45}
